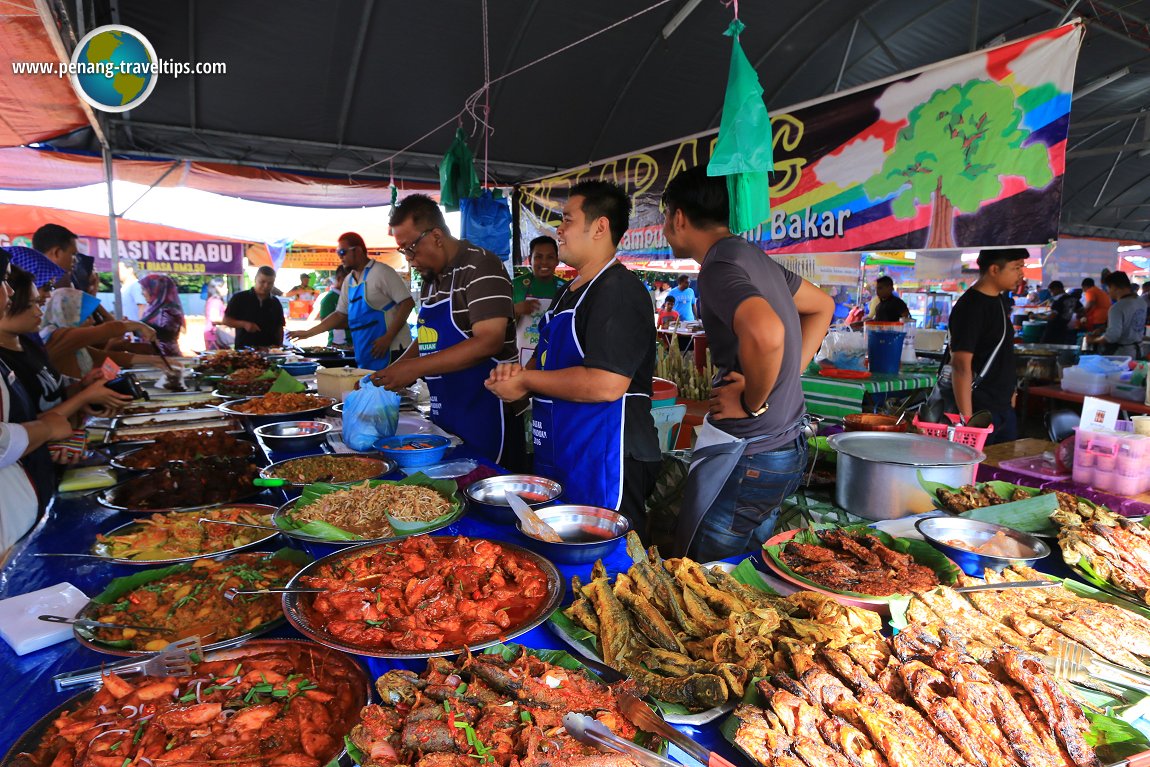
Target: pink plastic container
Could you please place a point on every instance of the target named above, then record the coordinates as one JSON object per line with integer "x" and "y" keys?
{"x": 1125, "y": 484}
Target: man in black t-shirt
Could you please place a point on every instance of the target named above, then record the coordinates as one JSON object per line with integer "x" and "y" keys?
{"x": 590, "y": 376}
{"x": 982, "y": 343}
{"x": 256, "y": 314}
{"x": 890, "y": 307}
{"x": 1064, "y": 307}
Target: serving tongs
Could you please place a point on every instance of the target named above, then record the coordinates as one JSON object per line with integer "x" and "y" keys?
{"x": 163, "y": 357}
{"x": 202, "y": 520}
{"x": 591, "y": 731}
{"x": 645, "y": 719}
{"x": 174, "y": 660}
{"x": 231, "y": 594}
{"x": 85, "y": 623}
{"x": 1044, "y": 584}
{"x": 1073, "y": 661}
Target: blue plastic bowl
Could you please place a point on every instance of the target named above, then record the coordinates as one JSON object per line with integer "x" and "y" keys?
{"x": 299, "y": 368}
{"x": 432, "y": 449}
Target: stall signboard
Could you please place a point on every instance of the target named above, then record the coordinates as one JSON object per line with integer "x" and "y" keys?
{"x": 967, "y": 153}
{"x": 169, "y": 256}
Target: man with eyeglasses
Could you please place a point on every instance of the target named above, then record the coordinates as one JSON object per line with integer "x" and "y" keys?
{"x": 465, "y": 328}
{"x": 374, "y": 305}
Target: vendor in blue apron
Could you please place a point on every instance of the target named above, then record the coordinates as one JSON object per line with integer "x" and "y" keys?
{"x": 465, "y": 329}
{"x": 374, "y": 307}
{"x": 590, "y": 377}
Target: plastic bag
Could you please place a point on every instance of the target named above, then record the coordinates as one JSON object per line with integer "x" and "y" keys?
{"x": 370, "y": 413}
{"x": 457, "y": 177}
{"x": 845, "y": 350}
{"x": 486, "y": 221}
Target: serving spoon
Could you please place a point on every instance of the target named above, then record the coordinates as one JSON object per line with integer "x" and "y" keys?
{"x": 231, "y": 594}
{"x": 201, "y": 520}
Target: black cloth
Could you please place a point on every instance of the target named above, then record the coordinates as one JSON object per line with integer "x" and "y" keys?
{"x": 1062, "y": 311}
{"x": 977, "y": 325}
{"x": 268, "y": 314}
{"x": 41, "y": 381}
{"x": 892, "y": 309}
{"x": 616, "y": 330}
{"x": 639, "y": 479}
{"x": 733, "y": 271}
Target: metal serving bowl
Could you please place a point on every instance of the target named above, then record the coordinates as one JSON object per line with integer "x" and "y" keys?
{"x": 972, "y": 533}
{"x": 588, "y": 533}
{"x": 488, "y": 497}
{"x": 294, "y": 436}
{"x": 259, "y": 419}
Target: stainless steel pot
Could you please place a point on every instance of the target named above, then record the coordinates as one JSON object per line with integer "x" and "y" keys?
{"x": 879, "y": 473}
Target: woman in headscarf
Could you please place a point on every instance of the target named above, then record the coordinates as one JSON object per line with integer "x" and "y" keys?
{"x": 164, "y": 312}
{"x": 74, "y": 345}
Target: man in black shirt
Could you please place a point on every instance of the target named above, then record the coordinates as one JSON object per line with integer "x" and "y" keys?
{"x": 982, "y": 343}
{"x": 1064, "y": 307}
{"x": 890, "y": 307}
{"x": 256, "y": 314}
{"x": 591, "y": 373}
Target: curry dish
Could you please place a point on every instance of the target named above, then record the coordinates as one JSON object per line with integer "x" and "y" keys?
{"x": 191, "y": 602}
{"x": 279, "y": 705}
{"x": 425, "y": 594}
{"x": 177, "y": 534}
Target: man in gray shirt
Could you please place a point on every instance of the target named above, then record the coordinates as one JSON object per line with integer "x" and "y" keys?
{"x": 1126, "y": 320}
{"x": 764, "y": 325}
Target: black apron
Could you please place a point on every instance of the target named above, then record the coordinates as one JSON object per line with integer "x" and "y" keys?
{"x": 38, "y": 463}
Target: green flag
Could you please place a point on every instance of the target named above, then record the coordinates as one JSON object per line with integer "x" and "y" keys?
{"x": 457, "y": 177}
{"x": 743, "y": 151}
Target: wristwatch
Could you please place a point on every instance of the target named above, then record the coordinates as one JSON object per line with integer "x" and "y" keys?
{"x": 752, "y": 413}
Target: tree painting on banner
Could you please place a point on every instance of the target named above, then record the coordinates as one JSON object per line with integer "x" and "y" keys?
{"x": 967, "y": 153}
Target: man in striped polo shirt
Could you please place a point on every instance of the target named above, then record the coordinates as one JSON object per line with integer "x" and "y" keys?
{"x": 465, "y": 328}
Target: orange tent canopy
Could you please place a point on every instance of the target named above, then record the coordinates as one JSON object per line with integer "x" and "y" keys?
{"x": 23, "y": 220}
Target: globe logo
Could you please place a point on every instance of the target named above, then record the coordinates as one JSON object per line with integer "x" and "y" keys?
{"x": 114, "y": 68}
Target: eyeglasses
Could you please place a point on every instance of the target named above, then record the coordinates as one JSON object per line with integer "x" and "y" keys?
{"x": 345, "y": 251}
{"x": 409, "y": 250}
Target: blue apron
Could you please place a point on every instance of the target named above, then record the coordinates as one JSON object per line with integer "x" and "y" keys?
{"x": 366, "y": 325}
{"x": 460, "y": 404}
{"x": 580, "y": 444}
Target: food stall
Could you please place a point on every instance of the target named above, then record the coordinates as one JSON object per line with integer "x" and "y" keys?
{"x": 311, "y": 574}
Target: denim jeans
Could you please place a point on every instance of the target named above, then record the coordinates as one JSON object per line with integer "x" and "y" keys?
{"x": 744, "y": 513}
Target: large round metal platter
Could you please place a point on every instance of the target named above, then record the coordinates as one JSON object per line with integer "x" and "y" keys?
{"x": 298, "y": 415}
{"x": 89, "y": 612}
{"x": 378, "y": 464}
{"x": 108, "y": 498}
{"x": 297, "y": 606}
{"x": 120, "y": 461}
{"x": 361, "y": 685}
{"x": 288, "y": 507}
{"x": 100, "y": 548}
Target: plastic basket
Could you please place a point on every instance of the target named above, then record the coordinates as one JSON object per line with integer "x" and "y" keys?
{"x": 964, "y": 435}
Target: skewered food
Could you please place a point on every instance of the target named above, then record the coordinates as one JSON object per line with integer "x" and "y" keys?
{"x": 186, "y": 446}
{"x": 269, "y": 705}
{"x": 485, "y": 709}
{"x": 857, "y": 562}
{"x": 274, "y": 403}
{"x": 696, "y": 636}
{"x": 923, "y": 702}
{"x": 176, "y": 534}
{"x": 1035, "y": 619}
{"x": 223, "y": 362}
{"x": 425, "y": 594}
{"x": 189, "y": 600}
{"x": 207, "y": 480}
{"x": 1117, "y": 549}
{"x": 327, "y": 468}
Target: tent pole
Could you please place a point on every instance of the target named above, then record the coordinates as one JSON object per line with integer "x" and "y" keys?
{"x": 114, "y": 240}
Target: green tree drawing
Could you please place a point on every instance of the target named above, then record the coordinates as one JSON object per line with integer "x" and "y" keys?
{"x": 954, "y": 153}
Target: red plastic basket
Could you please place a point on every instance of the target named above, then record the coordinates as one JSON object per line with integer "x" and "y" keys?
{"x": 965, "y": 435}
